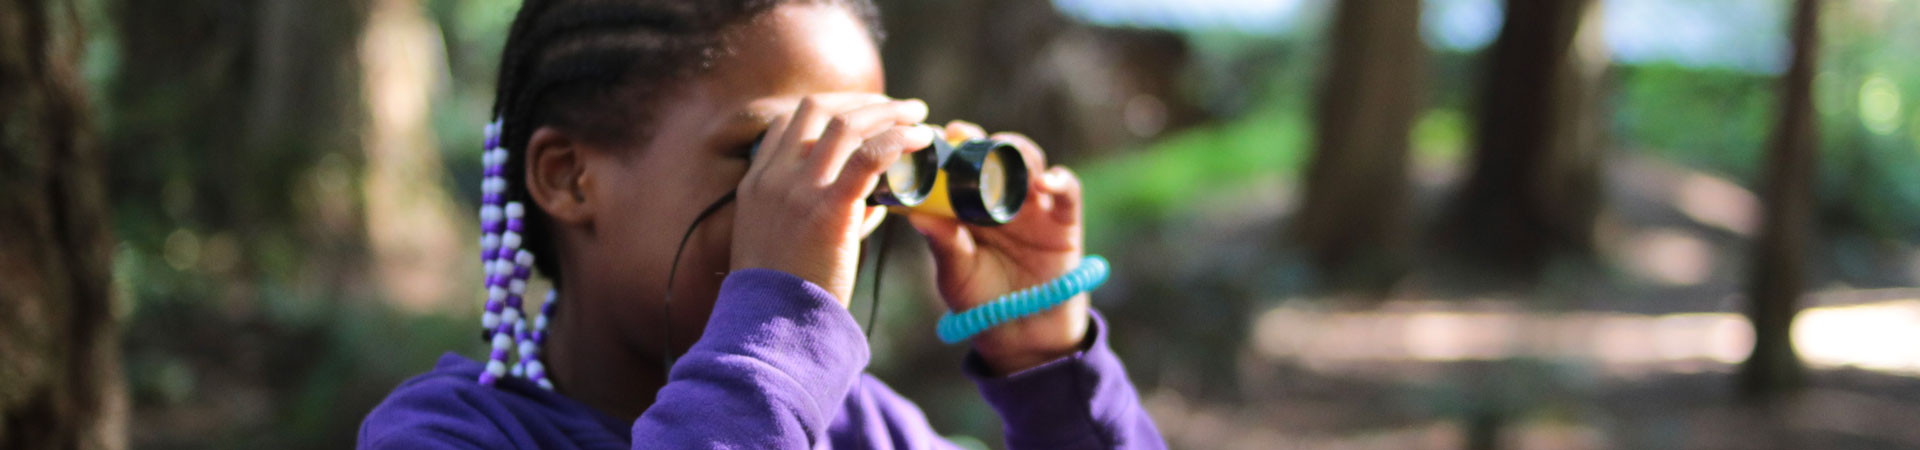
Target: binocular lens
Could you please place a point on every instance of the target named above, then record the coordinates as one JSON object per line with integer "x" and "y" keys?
{"x": 985, "y": 182}
{"x": 993, "y": 182}
{"x": 902, "y": 177}
{"x": 909, "y": 181}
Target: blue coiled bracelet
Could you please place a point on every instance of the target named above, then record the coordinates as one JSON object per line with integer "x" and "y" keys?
{"x": 954, "y": 328}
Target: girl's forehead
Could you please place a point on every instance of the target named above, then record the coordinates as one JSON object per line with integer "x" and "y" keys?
{"x": 795, "y": 50}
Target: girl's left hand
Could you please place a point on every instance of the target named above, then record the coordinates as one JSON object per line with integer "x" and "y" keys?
{"x": 978, "y": 264}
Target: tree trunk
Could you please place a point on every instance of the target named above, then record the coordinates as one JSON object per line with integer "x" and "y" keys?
{"x": 1780, "y": 253}
{"x": 1354, "y": 220}
{"x": 1021, "y": 65}
{"x": 410, "y": 219}
{"x": 60, "y": 383}
{"x": 1533, "y": 190}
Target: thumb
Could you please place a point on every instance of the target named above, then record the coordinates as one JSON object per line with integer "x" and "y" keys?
{"x": 950, "y": 241}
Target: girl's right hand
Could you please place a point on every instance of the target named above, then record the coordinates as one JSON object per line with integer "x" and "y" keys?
{"x": 802, "y": 203}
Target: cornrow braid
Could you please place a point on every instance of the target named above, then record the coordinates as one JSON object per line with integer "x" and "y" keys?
{"x": 591, "y": 67}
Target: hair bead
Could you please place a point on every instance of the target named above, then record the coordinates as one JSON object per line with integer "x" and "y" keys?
{"x": 501, "y": 342}
{"x": 496, "y": 368}
{"x": 536, "y": 370}
{"x": 527, "y": 349}
{"x": 497, "y": 319}
{"x": 530, "y": 346}
{"x": 490, "y": 214}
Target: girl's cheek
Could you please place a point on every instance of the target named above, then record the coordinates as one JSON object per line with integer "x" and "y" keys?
{"x": 720, "y": 243}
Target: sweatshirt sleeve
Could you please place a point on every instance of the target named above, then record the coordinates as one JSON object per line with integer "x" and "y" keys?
{"x": 776, "y": 360}
{"x": 1082, "y": 400}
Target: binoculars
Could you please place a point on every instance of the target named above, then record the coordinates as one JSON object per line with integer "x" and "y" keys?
{"x": 976, "y": 181}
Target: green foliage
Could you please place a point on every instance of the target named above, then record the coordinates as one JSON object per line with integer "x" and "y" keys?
{"x": 1713, "y": 119}
{"x": 1441, "y": 136}
{"x": 1151, "y": 184}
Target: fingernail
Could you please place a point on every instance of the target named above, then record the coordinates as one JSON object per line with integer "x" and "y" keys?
{"x": 1053, "y": 178}
{"x": 918, "y": 133}
{"x": 916, "y": 107}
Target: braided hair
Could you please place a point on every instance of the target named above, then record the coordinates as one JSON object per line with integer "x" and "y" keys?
{"x": 594, "y": 68}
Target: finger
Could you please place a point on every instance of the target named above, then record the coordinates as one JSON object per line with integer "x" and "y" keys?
{"x": 811, "y": 117}
{"x": 864, "y": 166}
{"x": 960, "y": 130}
{"x": 849, "y": 130}
{"x": 951, "y": 244}
{"x": 1030, "y": 151}
{"x": 764, "y": 148}
{"x": 876, "y": 216}
{"x": 1062, "y": 187}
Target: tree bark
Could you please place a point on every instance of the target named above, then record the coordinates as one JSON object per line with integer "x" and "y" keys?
{"x": 1354, "y": 220}
{"x": 1533, "y": 189}
{"x": 1780, "y": 253}
{"x": 60, "y": 383}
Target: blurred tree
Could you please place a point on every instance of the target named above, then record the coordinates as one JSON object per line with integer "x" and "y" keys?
{"x": 1780, "y": 254}
{"x": 1354, "y": 220}
{"x": 210, "y": 95}
{"x": 411, "y": 227}
{"x": 1533, "y": 187}
{"x": 1020, "y": 65}
{"x": 60, "y": 382}
{"x": 233, "y": 130}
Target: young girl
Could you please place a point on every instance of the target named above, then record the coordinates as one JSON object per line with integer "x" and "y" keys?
{"x": 626, "y": 123}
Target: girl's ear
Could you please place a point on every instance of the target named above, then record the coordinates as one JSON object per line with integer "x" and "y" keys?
{"x": 557, "y": 177}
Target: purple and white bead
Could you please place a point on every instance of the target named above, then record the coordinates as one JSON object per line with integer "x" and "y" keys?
{"x": 516, "y": 291}
{"x": 502, "y": 310}
{"x": 492, "y": 185}
{"x": 529, "y": 348}
{"x": 505, "y": 324}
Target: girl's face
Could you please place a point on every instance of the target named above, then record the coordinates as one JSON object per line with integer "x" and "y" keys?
{"x": 647, "y": 195}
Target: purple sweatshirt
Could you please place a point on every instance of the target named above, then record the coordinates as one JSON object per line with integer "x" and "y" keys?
{"x": 779, "y": 366}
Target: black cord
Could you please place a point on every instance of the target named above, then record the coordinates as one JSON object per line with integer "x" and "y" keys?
{"x": 879, "y": 266}
{"x": 666, "y": 305}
